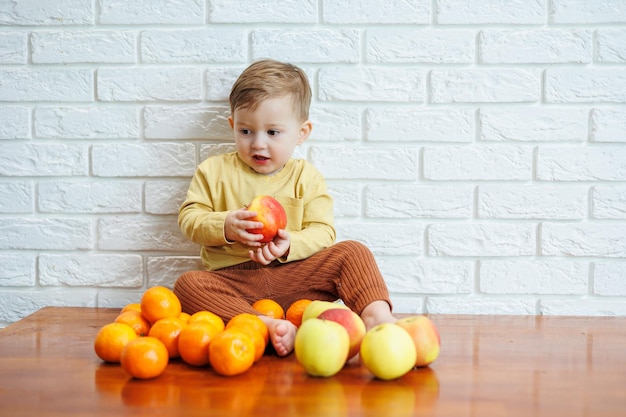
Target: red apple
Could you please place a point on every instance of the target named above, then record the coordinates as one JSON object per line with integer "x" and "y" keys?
{"x": 425, "y": 336}
{"x": 351, "y": 322}
{"x": 269, "y": 212}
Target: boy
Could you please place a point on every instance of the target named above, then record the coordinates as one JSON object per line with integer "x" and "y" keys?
{"x": 269, "y": 106}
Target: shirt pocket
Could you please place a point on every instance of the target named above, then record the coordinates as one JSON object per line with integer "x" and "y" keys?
{"x": 294, "y": 208}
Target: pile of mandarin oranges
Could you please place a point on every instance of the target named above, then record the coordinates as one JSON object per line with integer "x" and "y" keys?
{"x": 145, "y": 336}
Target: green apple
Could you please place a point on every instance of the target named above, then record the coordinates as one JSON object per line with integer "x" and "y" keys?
{"x": 388, "y": 351}
{"x": 425, "y": 336}
{"x": 317, "y": 307}
{"x": 351, "y": 322}
{"x": 322, "y": 346}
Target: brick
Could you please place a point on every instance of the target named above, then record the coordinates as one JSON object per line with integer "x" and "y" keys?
{"x": 534, "y": 277}
{"x": 16, "y": 197}
{"x": 608, "y": 278}
{"x": 413, "y": 276}
{"x": 582, "y": 307}
{"x": 17, "y": 270}
{"x": 118, "y": 297}
{"x": 370, "y": 84}
{"x": 611, "y": 45}
{"x": 138, "y": 12}
{"x": 86, "y": 122}
{"x": 139, "y": 160}
{"x": 23, "y": 302}
{"x": 392, "y": 45}
{"x": 185, "y": 122}
{"x": 219, "y": 82}
{"x": 407, "y": 304}
{"x": 385, "y": 238}
{"x": 45, "y": 233}
{"x": 484, "y": 85}
{"x": 48, "y": 13}
{"x": 14, "y": 122}
{"x": 193, "y": 45}
{"x": 481, "y": 305}
{"x": 376, "y": 11}
{"x": 606, "y": 240}
{"x": 478, "y": 163}
{"x": 207, "y": 150}
{"x": 151, "y": 234}
{"x": 51, "y": 84}
{"x": 411, "y": 124}
{"x": 66, "y": 47}
{"x": 150, "y": 84}
{"x": 165, "y": 270}
{"x": 267, "y": 11}
{"x": 515, "y": 12}
{"x": 119, "y": 271}
{"x": 323, "y": 45}
{"x": 533, "y": 124}
{"x": 606, "y": 163}
{"x": 418, "y": 201}
{"x": 43, "y": 159}
{"x": 532, "y": 201}
{"x": 585, "y": 12}
{"x": 335, "y": 124}
{"x": 494, "y": 239}
{"x": 608, "y": 202}
{"x": 607, "y": 125}
{"x": 13, "y": 47}
{"x": 165, "y": 196}
{"x": 345, "y": 162}
{"x": 346, "y": 198}
{"x": 573, "y": 85}
{"x": 550, "y": 46}
{"x": 96, "y": 196}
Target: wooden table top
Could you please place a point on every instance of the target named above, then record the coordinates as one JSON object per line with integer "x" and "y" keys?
{"x": 489, "y": 366}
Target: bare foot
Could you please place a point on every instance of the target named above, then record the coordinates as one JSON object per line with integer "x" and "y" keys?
{"x": 376, "y": 313}
{"x": 282, "y": 334}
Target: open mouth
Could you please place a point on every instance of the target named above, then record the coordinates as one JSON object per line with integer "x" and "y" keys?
{"x": 260, "y": 158}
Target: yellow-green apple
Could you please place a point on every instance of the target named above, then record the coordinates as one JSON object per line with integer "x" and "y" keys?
{"x": 321, "y": 347}
{"x": 353, "y": 324}
{"x": 269, "y": 212}
{"x": 388, "y": 351}
{"x": 425, "y": 336}
{"x": 317, "y": 307}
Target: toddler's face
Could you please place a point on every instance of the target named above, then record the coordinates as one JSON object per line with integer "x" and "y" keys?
{"x": 267, "y": 136}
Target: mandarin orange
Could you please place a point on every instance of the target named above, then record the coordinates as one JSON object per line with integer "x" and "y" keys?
{"x": 158, "y": 303}
{"x": 193, "y": 343}
{"x": 207, "y": 316}
{"x": 135, "y": 320}
{"x": 296, "y": 310}
{"x": 269, "y": 308}
{"x": 168, "y": 331}
{"x": 111, "y": 340}
{"x": 144, "y": 357}
{"x": 231, "y": 352}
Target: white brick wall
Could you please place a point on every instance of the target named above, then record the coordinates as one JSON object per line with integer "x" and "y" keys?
{"x": 478, "y": 147}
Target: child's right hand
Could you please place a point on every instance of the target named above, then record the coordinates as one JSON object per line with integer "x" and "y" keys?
{"x": 236, "y": 227}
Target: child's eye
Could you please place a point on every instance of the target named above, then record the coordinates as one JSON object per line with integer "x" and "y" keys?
{"x": 273, "y": 132}
{"x": 244, "y": 131}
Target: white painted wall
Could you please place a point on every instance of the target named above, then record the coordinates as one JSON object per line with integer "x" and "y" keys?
{"x": 478, "y": 147}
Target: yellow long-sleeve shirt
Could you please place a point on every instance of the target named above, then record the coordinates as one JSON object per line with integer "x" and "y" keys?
{"x": 223, "y": 183}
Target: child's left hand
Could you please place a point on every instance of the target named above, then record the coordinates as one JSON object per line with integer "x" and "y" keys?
{"x": 273, "y": 250}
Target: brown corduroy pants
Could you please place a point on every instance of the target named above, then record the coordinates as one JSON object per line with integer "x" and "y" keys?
{"x": 346, "y": 271}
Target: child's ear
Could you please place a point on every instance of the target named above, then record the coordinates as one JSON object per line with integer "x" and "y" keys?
{"x": 231, "y": 122}
{"x": 305, "y": 131}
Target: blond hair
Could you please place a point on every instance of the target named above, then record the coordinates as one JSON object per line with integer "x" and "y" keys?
{"x": 271, "y": 79}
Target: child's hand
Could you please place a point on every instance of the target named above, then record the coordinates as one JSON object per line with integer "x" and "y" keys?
{"x": 273, "y": 250}
{"x": 236, "y": 225}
